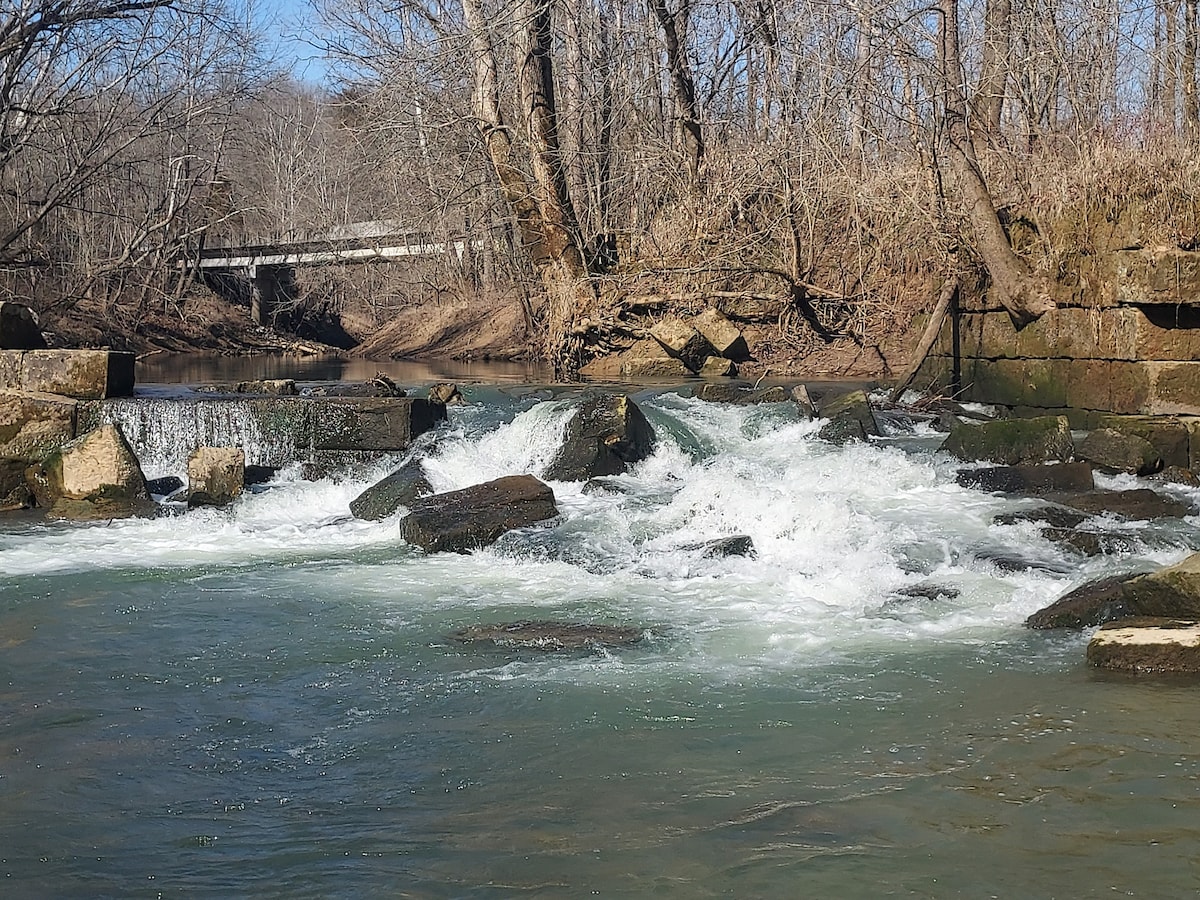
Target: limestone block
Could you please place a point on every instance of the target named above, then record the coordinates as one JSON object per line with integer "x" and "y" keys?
{"x": 1156, "y": 276}
{"x": 464, "y": 520}
{"x": 649, "y": 359}
{"x": 378, "y": 423}
{"x": 1114, "y": 451}
{"x": 1147, "y": 645}
{"x": 94, "y": 476}
{"x": 216, "y": 475}
{"x": 10, "y": 369}
{"x": 725, "y": 337}
{"x": 1169, "y": 436}
{"x": 83, "y": 374}
{"x": 1012, "y": 441}
{"x": 19, "y": 328}
{"x": 683, "y": 342}
{"x": 34, "y": 425}
{"x": 718, "y": 367}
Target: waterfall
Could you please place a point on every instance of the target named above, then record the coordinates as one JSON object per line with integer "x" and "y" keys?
{"x": 164, "y": 432}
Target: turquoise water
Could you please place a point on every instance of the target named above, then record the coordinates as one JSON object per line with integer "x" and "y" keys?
{"x": 263, "y": 701}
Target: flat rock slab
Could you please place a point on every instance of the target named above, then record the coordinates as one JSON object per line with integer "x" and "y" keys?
{"x": 550, "y": 636}
{"x": 1147, "y": 645}
{"x": 474, "y": 517}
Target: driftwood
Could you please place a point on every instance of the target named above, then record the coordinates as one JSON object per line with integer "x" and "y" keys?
{"x": 944, "y": 302}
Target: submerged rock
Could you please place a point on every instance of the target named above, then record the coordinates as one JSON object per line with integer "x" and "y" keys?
{"x": 734, "y": 545}
{"x": 1054, "y": 516}
{"x": 165, "y": 486}
{"x": 277, "y": 387}
{"x": 1012, "y": 441}
{"x": 474, "y": 517}
{"x": 1138, "y": 504}
{"x": 606, "y": 434}
{"x": 1147, "y": 644}
{"x": 401, "y": 488}
{"x": 550, "y": 636}
{"x": 740, "y": 394}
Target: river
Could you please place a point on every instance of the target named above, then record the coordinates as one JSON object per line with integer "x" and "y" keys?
{"x": 264, "y": 700}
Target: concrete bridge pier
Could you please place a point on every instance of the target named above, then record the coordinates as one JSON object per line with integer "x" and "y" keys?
{"x": 272, "y": 287}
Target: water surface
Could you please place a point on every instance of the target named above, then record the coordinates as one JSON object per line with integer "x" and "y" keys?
{"x": 263, "y": 700}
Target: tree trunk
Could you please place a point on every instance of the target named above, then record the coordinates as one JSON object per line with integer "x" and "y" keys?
{"x": 683, "y": 88}
{"x": 543, "y": 210}
{"x": 1025, "y": 296}
{"x": 1191, "y": 106}
{"x": 570, "y": 291}
{"x": 997, "y": 43}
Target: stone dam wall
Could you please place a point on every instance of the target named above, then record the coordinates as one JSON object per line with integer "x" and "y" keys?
{"x": 1131, "y": 347}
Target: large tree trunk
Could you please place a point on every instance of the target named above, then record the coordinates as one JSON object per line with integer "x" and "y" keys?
{"x": 1191, "y": 103}
{"x": 570, "y": 291}
{"x": 683, "y": 87}
{"x": 542, "y": 209}
{"x": 1024, "y": 295}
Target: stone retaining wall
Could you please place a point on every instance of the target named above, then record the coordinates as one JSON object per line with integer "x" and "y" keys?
{"x": 1136, "y": 351}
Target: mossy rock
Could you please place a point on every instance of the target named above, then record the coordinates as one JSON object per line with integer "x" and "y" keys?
{"x": 1013, "y": 441}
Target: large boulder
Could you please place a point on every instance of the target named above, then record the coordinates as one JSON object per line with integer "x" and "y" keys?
{"x": 216, "y": 475}
{"x": 606, "y": 434}
{"x": 683, "y": 342}
{"x": 1147, "y": 644}
{"x": 401, "y": 488}
{"x": 1027, "y": 479}
{"x": 1113, "y": 451}
{"x": 725, "y": 337}
{"x": 1012, "y": 441}
{"x": 94, "y": 476}
{"x": 33, "y": 424}
{"x": 474, "y": 517}
{"x": 19, "y": 328}
{"x": 1173, "y": 591}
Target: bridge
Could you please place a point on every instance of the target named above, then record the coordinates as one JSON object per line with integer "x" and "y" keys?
{"x": 269, "y": 268}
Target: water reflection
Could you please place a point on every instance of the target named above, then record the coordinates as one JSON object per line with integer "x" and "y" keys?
{"x": 205, "y": 368}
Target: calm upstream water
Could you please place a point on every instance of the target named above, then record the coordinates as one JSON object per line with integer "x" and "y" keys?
{"x": 263, "y": 701}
